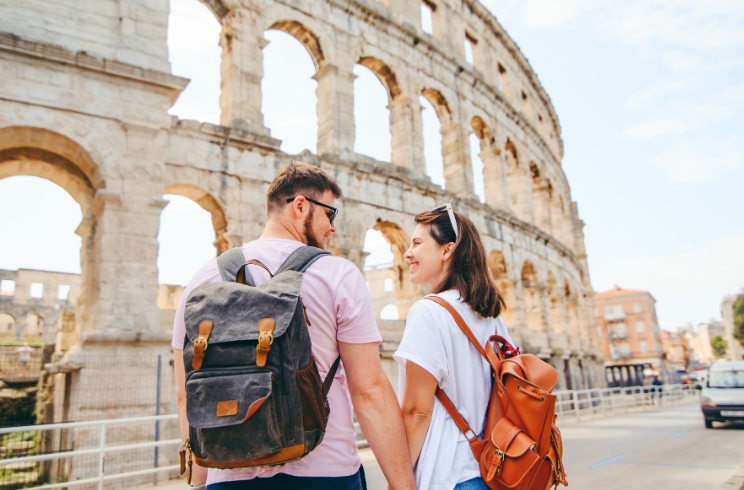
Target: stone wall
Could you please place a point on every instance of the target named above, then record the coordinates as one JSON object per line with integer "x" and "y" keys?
{"x": 85, "y": 89}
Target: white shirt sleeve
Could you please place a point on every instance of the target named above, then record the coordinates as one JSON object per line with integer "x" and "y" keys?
{"x": 424, "y": 343}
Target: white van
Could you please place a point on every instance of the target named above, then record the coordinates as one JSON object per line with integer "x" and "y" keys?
{"x": 722, "y": 396}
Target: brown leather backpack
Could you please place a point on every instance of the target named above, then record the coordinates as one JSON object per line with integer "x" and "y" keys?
{"x": 521, "y": 446}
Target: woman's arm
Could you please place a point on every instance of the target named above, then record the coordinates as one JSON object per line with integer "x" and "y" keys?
{"x": 417, "y": 407}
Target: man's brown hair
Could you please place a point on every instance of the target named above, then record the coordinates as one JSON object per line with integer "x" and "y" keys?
{"x": 299, "y": 179}
{"x": 469, "y": 270}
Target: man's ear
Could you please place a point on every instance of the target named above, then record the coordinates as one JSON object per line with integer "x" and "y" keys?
{"x": 298, "y": 205}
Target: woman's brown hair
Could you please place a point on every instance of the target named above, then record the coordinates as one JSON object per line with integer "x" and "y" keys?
{"x": 469, "y": 270}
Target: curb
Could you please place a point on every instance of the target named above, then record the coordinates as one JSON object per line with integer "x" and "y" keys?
{"x": 736, "y": 482}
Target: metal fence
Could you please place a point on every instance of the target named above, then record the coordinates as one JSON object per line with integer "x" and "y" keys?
{"x": 115, "y": 387}
{"x": 99, "y": 452}
{"x": 586, "y": 403}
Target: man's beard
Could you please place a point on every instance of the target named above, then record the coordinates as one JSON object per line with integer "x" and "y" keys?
{"x": 311, "y": 240}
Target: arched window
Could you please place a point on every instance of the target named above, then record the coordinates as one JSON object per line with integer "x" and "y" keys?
{"x": 432, "y": 143}
{"x": 185, "y": 240}
{"x": 43, "y": 215}
{"x": 371, "y": 115}
{"x": 194, "y": 53}
{"x": 389, "y": 312}
{"x": 289, "y": 102}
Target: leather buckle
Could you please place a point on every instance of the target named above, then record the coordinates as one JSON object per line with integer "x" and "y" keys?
{"x": 261, "y": 337}
{"x": 198, "y": 349}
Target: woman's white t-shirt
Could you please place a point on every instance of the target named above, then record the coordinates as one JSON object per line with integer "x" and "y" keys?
{"x": 433, "y": 341}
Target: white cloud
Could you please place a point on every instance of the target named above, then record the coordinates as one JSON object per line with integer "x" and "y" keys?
{"x": 700, "y": 162}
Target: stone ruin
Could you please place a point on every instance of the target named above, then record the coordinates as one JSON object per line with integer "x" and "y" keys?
{"x": 84, "y": 92}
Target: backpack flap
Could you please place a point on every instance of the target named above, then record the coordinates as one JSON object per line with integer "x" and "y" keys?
{"x": 509, "y": 455}
{"x": 236, "y": 310}
{"x": 223, "y": 401}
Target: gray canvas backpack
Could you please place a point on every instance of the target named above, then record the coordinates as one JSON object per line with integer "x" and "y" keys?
{"x": 253, "y": 393}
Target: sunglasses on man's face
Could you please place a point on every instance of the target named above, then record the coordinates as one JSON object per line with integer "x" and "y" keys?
{"x": 331, "y": 216}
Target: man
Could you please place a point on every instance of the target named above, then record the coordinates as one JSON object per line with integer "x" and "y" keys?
{"x": 24, "y": 355}
{"x": 301, "y": 212}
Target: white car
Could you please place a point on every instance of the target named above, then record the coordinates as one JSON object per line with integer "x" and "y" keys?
{"x": 722, "y": 396}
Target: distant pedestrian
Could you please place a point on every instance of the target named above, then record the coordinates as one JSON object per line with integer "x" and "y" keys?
{"x": 24, "y": 355}
{"x": 657, "y": 384}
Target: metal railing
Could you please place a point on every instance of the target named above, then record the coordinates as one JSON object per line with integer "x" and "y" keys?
{"x": 101, "y": 450}
{"x": 603, "y": 401}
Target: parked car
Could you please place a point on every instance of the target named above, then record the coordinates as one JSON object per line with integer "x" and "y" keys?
{"x": 722, "y": 395}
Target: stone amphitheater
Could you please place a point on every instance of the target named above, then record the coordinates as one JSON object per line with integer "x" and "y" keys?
{"x": 85, "y": 89}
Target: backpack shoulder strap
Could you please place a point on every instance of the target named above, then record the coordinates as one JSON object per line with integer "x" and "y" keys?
{"x": 301, "y": 259}
{"x": 230, "y": 263}
{"x": 460, "y": 323}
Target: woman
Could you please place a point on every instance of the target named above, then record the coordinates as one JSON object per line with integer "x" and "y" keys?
{"x": 447, "y": 254}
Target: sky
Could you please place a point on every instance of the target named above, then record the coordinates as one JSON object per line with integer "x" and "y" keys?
{"x": 650, "y": 98}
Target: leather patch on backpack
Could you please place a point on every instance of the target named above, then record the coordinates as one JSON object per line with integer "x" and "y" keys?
{"x": 225, "y": 409}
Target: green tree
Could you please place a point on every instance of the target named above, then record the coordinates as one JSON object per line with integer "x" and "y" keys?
{"x": 739, "y": 319}
{"x": 719, "y": 345}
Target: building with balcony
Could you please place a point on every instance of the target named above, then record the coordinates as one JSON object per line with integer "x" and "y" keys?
{"x": 630, "y": 336}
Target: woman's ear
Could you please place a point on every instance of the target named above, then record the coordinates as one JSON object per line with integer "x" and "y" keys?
{"x": 449, "y": 249}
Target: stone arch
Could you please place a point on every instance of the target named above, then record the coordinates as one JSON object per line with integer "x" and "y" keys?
{"x": 305, "y": 36}
{"x": 398, "y": 240}
{"x": 541, "y": 197}
{"x": 210, "y": 204}
{"x": 42, "y": 153}
{"x": 439, "y": 102}
{"x": 530, "y": 286}
{"x": 520, "y": 183}
{"x": 384, "y": 73}
{"x": 557, "y": 304}
{"x": 573, "y": 320}
{"x": 483, "y": 132}
{"x": 500, "y": 273}
{"x": 512, "y": 154}
{"x": 7, "y": 325}
{"x": 33, "y": 328}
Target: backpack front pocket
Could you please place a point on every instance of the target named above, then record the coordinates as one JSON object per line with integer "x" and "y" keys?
{"x": 234, "y": 416}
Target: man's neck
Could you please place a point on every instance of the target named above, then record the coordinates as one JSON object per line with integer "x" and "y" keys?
{"x": 276, "y": 229}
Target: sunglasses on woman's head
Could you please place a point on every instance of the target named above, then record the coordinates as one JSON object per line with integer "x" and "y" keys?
{"x": 451, "y": 213}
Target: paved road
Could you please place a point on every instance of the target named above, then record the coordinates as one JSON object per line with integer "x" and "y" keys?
{"x": 662, "y": 449}
{"x": 656, "y": 450}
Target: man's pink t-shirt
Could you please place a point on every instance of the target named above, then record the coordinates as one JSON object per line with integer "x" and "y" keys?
{"x": 340, "y": 310}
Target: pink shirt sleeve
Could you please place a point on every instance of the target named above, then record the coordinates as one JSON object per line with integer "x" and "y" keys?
{"x": 208, "y": 273}
{"x": 354, "y": 315}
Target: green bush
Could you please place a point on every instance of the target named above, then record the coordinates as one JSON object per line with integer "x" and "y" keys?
{"x": 739, "y": 319}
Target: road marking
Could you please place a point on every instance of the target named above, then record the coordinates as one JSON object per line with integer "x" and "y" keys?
{"x": 679, "y": 465}
{"x": 611, "y": 460}
{"x": 680, "y": 433}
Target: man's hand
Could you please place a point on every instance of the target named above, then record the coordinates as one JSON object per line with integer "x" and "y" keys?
{"x": 378, "y": 412}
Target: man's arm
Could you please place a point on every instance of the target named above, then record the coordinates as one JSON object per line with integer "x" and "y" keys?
{"x": 378, "y": 412}
{"x": 198, "y": 474}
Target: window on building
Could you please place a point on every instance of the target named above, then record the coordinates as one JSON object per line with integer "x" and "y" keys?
{"x": 7, "y": 287}
{"x": 388, "y": 285}
{"x": 63, "y": 292}
{"x": 644, "y": 346}
{"x": 502, "y": 78}
{"x": 625, "y": 350}
{"x": 636, "y": 307}
{"x": 609, "y": 310}
{"x": 622, "y": 330}
{"x": 470, "y": 43}
{"x": 427, "y": 17}
{"x": 640, "y": 327}
{"x": 37, "y": 290}
{"x": 614, "y": 351}
{"x": 389, "y": 312}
